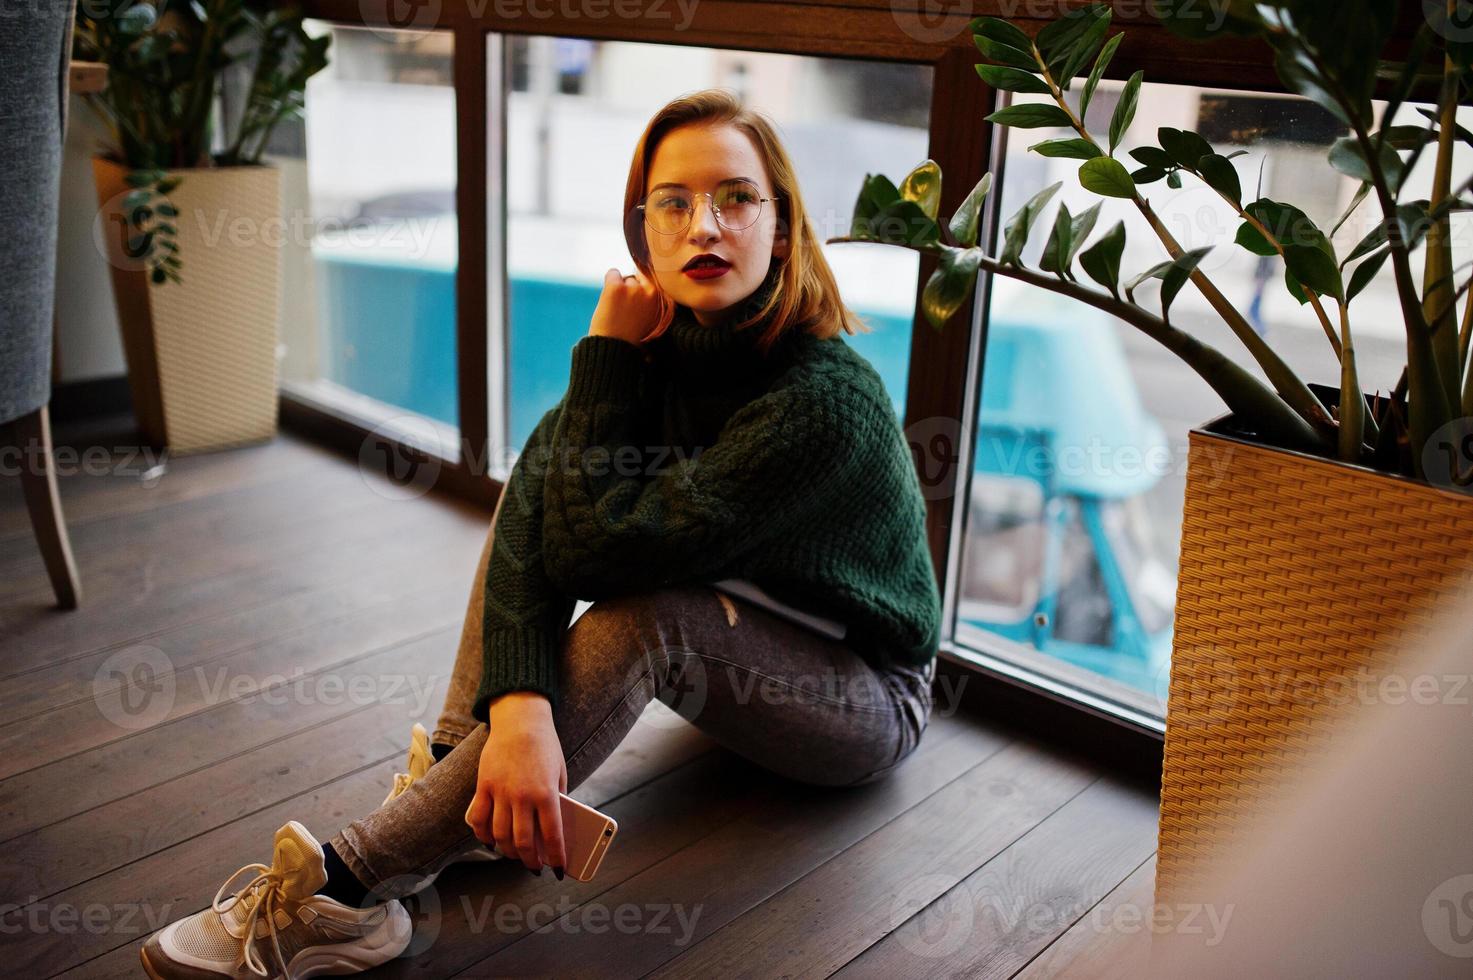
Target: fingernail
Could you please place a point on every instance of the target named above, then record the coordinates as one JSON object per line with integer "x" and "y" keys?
{"x": 558, "y": 872}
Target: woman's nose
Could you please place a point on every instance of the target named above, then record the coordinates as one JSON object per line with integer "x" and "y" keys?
{"x": 703, "y": 223}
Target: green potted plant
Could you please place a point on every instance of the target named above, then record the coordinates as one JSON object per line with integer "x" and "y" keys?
{"x": 1319, "y": 524}
{"x": 189, "y": 217}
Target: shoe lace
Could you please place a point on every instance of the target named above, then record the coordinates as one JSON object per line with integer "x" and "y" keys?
{"x": 270, "y": 901}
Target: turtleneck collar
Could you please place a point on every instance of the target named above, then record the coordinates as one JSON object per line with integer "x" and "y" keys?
{"x": 693, "y": 343}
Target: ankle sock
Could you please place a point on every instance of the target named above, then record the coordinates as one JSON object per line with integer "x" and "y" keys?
{"x": 440, "y": 750}
{"x": 342, "y": 884}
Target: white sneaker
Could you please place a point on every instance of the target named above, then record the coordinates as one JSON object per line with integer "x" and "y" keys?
{"x": 309, "y": 933}
{"x": 420, "y": 760}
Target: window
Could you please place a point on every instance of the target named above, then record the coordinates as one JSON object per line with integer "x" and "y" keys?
{"x": 369, "y": 300}
{"x": 1095, "y": 416}
{"x": 574, "y": 112}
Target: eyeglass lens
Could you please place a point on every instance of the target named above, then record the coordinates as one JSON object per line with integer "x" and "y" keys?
{"x": 736, "y": 203}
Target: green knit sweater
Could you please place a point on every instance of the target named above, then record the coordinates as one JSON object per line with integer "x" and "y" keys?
{"x": 694, "y": 459}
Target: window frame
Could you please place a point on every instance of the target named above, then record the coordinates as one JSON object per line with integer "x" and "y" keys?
{"x": 945, "y": 366}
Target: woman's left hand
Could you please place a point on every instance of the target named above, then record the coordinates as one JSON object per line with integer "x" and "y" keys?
{"x": 627, "y": 307}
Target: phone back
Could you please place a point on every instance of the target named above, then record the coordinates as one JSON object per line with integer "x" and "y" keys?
{"x": 587, "y": 835}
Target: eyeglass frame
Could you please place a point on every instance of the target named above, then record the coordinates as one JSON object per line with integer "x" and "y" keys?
{"x": 690, "y": 212}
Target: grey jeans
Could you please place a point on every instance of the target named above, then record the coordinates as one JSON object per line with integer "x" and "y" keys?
{"x": 756, "y": 683}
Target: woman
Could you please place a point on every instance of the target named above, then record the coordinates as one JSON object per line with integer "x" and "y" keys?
{"x": 739, "y": 437}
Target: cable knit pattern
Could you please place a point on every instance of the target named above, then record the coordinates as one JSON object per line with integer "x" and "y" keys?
{"x": 707, "y": 460}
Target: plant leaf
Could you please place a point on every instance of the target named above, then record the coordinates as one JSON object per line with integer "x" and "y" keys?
{"x": 1084, "y": 49}
{"x": 1102, "y": 260}
{"x": 1108, "y": 177}
{"x": 1015, "y": 235}
{"x": 1176, "y": 277}
{"x": 1083, "y": 225}
{"x": 1125, "y": 109}
{"x": 1101, "y": 63}
{"x": 947, "y": 289}
{"x": 1005, "y": 54}
{"x": 923, "y": 186}
{"x": 1060, "y": 242}
{"x": 1073, "y": 149}
{"x": 964, "y": 223}
{"x": 1057, "y": 40}
{"x": 1154, "y": 156}
{"x": 1012, "y": 79}
{"x": 1365, "y": 272}
{"x": 1154, "y": 272}
{"x": 1031, "y": 115}
{"x": 1147, "y": 175}
{"x": 1221, "y": 176}
{"x": 1002, "y": 32}
{"x": 1185, "y": 147}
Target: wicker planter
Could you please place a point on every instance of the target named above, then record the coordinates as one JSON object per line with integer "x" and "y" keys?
{"x": 1301, "y": 579}
{"x": 201, "y": 354}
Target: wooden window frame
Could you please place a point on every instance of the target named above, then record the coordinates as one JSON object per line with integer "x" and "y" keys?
{"x": 945, "y": 366}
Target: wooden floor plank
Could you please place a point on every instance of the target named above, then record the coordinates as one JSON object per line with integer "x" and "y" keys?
{"x": 830, "y": 915}
{"x": 997, "y": 918}
{"x": 184, "y": 878}
{"x": 284, "y": 562}
{"x": 118, "y": 712}
{"x": 781, "y": 837}
{"x": 53, "y": 685}
{"x": 125, "y": 493}
{"x": 1111, "y": 942}
{"x": 328, "y": 551}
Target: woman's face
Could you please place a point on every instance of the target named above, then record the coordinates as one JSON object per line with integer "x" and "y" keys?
{"x": 704, "y": 158}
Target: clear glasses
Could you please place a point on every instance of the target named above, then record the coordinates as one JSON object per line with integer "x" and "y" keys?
{"x": 737, "y": 204}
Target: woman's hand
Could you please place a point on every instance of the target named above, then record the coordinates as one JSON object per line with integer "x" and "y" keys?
{"x": 627, "y": 308}
{"x": 522, "y": 771}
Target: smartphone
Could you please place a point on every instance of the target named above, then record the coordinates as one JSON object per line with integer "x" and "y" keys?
{"x": 587, "y": 834}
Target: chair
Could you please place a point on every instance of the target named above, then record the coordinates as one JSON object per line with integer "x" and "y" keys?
{"x": 33, "y": 102}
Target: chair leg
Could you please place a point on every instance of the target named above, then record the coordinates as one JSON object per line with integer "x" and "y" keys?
{"x": 38, "y": 481}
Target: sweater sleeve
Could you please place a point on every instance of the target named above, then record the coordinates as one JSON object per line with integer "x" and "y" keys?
{"x": 613, "y": 528}
{"x": 525, "y": 614}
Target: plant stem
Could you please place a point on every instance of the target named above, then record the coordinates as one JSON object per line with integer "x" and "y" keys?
{"x": 1437, "y": 282}
{"x": 1428, "y": 404}
{"x": 1314, "y": 298}
{"x": 1352, "y": 404}
{"x": 1252, "y": 402}
{"x": 1294, "y": 391}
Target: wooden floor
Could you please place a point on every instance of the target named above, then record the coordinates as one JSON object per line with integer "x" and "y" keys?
{"x": 260, "y": 627}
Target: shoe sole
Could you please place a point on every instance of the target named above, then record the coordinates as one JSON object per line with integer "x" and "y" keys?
{"x": 342, "y": 958}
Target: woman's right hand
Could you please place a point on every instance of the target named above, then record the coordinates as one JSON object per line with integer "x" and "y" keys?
{"x": 522, "y": 771}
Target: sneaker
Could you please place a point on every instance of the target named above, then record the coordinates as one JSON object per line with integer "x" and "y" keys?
{"x": 276, "y": 926}
{"x": 420, "y": 760}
